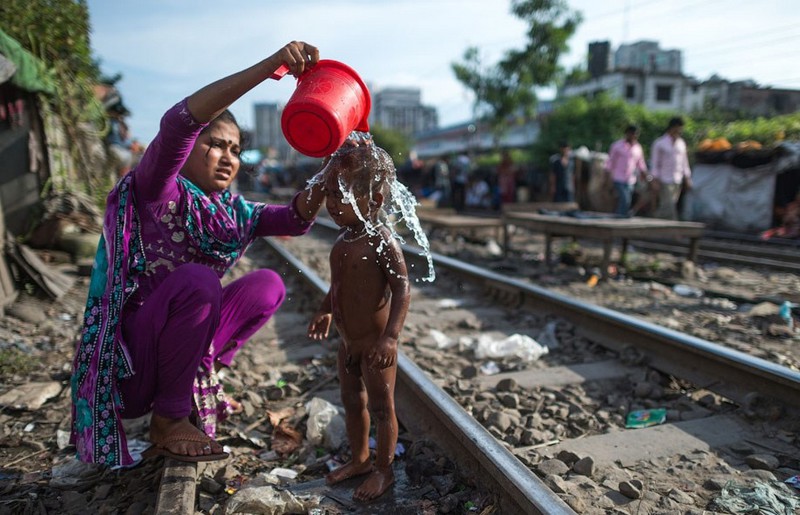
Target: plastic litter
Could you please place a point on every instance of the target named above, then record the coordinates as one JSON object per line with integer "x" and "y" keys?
{"x": 490, "y": 368}
{"x": 441, "y": 340}
{"x": 515, "y": 346}
{"x": 645, "y": 418}
{"x": 548, "y": 336}
{"x": 684, "y": 290}
{"x": 793, "y": 481}
{"x": 760, "y": 498}
{"x": 786, "y": 313}
{"x": 325, "y": 426}
{"x": 399, "y": 448}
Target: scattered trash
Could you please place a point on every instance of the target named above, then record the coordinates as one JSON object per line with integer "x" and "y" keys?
{"x": 325, "y": 426}
{"x": 283, "y": 474}
{"x": 399, "y": 449}
{"x": 490, "y": 368}
{"x": 593, "y": 280}
{"x": 786, "y": 313}
{"x": 684, "y": 290}
{"x": 62, "y": 439}
{"x": 285, "y": 439}
{"x": 793, "y": 481}
{"x": 332, "y": 464}
{"x": 760, "y": 498}
{"x": 441, "y": 340}
{"x": 548, "y": 336}
{"x": 516, "y": 345}
{"x": 269, "y": 500}
{"x": 646, "y": 418}
{"x": 449, "y": 303}
{"x": 29, "y": 427}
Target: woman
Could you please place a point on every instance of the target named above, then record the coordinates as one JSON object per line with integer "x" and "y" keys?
{"x": 158, "y": 324}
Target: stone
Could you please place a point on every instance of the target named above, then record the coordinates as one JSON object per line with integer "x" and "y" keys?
{"x": 552, "y": 466}
{"x": 584, "y": 466}
{"x": 762, "y": 461}
{"x": 631, "y": 489}
{"x": 469, "y": 372}
{"x": 507, "y": 385}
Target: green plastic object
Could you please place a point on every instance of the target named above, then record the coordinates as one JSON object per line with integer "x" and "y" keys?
{"x": 646, "y": 418}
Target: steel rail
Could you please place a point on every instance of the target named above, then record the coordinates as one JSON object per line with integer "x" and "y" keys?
{"x": 723, "y": 370}
{"x": 425, "y": 409}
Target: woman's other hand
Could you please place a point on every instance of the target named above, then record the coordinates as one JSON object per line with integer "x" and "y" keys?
{"x": 298, "y": 56}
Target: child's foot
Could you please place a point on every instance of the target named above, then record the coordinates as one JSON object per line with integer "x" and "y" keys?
{"x": 374, "y": 486}
{"x": 348, "y": 470}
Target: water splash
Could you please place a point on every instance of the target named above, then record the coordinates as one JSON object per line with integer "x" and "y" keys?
{"x": 399, "y": 206}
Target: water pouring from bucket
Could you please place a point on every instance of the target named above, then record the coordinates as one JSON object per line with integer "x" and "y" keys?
{"x": 330, "y": 102}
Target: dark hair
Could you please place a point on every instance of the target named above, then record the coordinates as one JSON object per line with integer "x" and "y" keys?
{"x": 563, "y": 144}
{"x": 225, "y": 116}
{"x": 675, "y": 122}
{"x": 631, "y": 128}
{"x": 366, "y": 167}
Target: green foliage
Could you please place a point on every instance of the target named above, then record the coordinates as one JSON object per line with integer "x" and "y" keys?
{"x": 57, "y": 32}
{"x": 507, "y": 88}
{"x": 764, "y": 130}
{"x": 15, "y": 362}
{"x": 394, "y": 142}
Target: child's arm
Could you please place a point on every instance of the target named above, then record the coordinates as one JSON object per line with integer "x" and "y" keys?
{"x": 393, "y": 264}
{"x": 320, "y": 323}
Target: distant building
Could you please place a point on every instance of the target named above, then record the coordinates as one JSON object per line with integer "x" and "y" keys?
{"x": 268, "y": 133}
{"x": 643, "y": 73}
{"x": 401, "y": 109}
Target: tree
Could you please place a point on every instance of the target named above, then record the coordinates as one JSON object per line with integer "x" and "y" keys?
{"x": 58, "y": 33}
{"x": 394, "y": 142}
{"x": 508, "y": 87}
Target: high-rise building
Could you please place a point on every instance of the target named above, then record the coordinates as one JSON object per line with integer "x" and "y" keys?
{"x": 268, "y": 133}
{"x": 401, "y": 109}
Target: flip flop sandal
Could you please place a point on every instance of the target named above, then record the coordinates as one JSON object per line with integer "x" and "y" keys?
{"x": 159, "y": 449}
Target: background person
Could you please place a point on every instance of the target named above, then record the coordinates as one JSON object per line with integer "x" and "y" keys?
{"x": 625, "y": 164}
{"x": 669, "y": 161}
{"x": 562, "y": 174}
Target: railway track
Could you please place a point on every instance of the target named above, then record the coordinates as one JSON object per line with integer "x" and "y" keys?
{"x": 549, "y": 436}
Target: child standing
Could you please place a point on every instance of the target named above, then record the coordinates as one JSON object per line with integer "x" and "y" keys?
{"x": 368, "y": 299}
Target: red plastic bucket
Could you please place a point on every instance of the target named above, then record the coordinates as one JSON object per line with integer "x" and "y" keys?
{"x": 330, "y": 102}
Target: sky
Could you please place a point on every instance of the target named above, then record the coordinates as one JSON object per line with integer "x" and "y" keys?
{"x": 167, "y": 49}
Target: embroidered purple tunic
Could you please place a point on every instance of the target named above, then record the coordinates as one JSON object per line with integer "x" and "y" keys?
{"x": 156, "y": 221}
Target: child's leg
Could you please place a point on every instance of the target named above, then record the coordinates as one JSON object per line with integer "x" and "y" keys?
{"x": 380, "y": 389}
{"x": 356, "y": 416}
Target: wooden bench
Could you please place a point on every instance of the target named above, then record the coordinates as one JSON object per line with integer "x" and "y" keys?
{"x": 535, "y": 207}
{"x": 605, "y": 230}
{"x": 455, "y": 223}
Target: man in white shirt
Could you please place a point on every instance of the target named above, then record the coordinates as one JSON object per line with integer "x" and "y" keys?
{"x": 670, "y": 169}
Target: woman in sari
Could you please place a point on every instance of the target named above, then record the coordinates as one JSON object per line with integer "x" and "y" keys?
{"x": 158, "y": 323}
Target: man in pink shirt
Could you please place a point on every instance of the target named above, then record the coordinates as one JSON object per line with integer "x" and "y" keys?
{"x": 625, "y": 157}
{"x": 670, "y": 168}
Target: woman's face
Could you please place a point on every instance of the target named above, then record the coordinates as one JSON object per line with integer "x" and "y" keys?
{"x": 213, "y": 163}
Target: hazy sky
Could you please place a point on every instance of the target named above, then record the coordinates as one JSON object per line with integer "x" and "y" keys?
{"x": 166, "y": 49}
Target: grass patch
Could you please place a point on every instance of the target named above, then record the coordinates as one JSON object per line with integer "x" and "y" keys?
{"x": 15, "y": 362}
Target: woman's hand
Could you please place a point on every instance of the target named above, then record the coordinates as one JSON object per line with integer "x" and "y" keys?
{"x": 298, "y": 56}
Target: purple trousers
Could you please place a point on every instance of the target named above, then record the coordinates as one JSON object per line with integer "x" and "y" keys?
{"x": 189, "y": 321}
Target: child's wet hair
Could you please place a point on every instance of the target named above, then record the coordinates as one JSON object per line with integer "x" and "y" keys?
{"x": 364, "y": 167}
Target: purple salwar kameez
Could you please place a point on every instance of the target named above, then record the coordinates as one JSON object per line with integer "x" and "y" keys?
{"x": 157, "y": 319}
